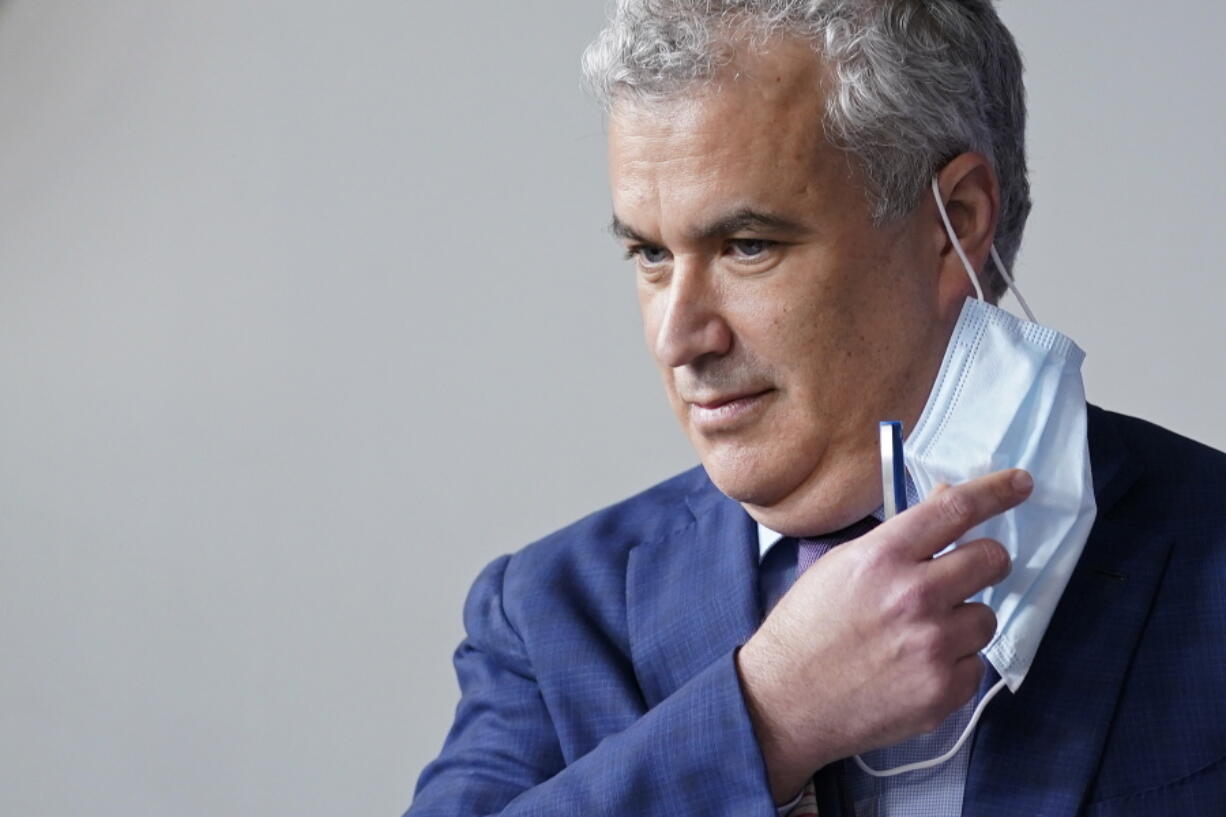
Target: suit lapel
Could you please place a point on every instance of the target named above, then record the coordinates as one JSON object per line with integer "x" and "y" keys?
{"x": 1036, "y": 752}
{"x": 692, "y": 595}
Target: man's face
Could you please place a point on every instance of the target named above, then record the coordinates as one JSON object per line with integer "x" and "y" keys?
{"x": 786, "y": 325}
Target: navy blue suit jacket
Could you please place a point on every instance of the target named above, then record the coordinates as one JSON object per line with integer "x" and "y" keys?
{"x": 598, "y": 675}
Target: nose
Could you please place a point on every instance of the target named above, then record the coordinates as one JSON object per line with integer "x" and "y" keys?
{"x": 691, "y": 324}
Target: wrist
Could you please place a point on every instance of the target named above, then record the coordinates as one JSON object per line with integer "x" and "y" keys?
{"x": 787, "y": 767}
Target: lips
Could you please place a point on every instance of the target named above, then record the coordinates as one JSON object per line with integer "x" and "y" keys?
{"x": 716, "y": 402}
{"x": 728, "y": 413}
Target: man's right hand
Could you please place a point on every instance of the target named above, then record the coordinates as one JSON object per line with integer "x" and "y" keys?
{"x": 875, "y": 643}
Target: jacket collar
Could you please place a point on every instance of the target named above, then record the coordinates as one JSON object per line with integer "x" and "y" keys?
{"x": 688, "y": 601}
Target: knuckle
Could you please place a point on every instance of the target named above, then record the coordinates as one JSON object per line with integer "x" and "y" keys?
{"x": 930, "y": 641}
{"x": 956, "y": 508}
{"x": 875, "y": 558}
{"x": 987, "y": 627}
{"x": 993, "y": 558}
{"x": 911, "y": 600}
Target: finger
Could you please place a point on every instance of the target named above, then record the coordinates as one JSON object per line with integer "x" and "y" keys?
{"x": 967, "y": 569}
{"x": 932, "y": 525}
{"x": 968, "y": 675}
{"x": 971, "y": 627}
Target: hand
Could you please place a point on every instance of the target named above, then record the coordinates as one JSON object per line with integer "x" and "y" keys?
{"x": 875, "y": 643}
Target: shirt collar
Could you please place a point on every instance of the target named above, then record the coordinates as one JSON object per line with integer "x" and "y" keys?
{"x": 768, "y": 538}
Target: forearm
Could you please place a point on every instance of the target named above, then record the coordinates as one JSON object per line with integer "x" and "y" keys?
{"x": 695, "y": 752}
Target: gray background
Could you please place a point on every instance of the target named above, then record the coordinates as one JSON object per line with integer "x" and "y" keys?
{"x": 307, "y": 313}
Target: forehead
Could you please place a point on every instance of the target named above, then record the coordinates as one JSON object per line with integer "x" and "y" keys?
{"x": 751, "y": 136}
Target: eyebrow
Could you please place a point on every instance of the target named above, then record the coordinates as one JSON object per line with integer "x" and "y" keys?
{"x": 744, "y": 219}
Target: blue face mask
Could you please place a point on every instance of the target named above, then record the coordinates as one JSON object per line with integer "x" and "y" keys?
{"x": 1009, "y": 395}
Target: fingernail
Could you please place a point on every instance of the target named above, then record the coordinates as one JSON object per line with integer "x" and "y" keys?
{"x": 1022, "y": 482}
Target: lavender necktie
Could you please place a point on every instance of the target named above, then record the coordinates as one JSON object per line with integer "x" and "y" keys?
{"x": 810, "y": 550}
{"x": 826, "y": 793}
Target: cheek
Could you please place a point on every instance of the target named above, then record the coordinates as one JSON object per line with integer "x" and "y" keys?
{"x": 797, "y": 331}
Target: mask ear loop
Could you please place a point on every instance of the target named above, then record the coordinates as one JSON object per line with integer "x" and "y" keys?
{"x": 966, "y": 262}
{"x": 1017, "y": 293}
{"x": 937, "y": 761}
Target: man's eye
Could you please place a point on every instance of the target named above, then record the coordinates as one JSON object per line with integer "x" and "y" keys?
{"x": 649, "y": 256}
{"x": 750, "y": 248}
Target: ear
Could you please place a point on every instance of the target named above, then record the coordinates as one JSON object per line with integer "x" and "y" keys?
{"x": 971, "y": 195}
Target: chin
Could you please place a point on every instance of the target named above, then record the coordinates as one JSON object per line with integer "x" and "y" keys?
{"x": 746, "y": 474}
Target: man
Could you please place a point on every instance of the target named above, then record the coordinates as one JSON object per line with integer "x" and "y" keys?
{"x": 802, "y": 187}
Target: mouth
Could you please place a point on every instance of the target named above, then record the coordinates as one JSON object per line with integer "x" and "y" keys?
{"x": 727, "y": 412}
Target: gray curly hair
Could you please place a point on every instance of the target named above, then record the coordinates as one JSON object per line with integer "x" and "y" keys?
{"x": 917, "y": 82}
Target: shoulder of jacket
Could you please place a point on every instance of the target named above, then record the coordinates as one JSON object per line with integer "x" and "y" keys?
{"x": 606, "y": 536}
{"x": 1180, "y": 482}
{"x": 1164, "y": 450}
